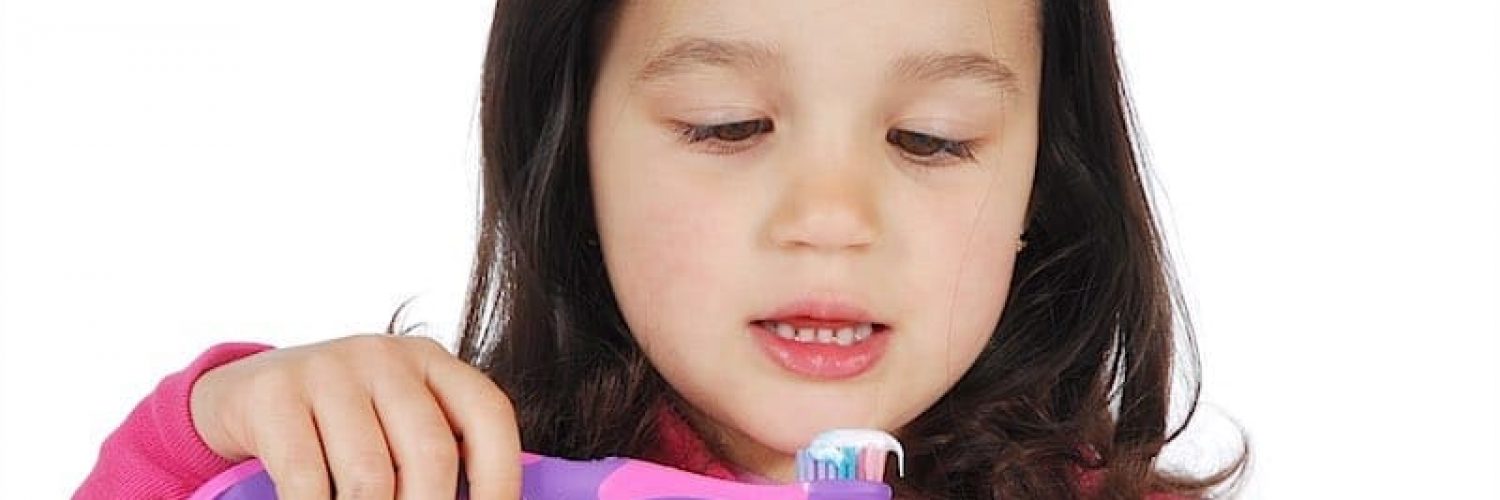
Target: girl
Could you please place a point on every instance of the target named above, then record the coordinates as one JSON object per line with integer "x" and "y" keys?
{"x": 712, "y": 229}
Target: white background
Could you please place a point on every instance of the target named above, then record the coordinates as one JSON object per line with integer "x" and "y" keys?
{"x": 179, "y": 173}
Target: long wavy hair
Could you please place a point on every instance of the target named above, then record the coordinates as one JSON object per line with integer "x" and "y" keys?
{"x": 1078, "y": 375}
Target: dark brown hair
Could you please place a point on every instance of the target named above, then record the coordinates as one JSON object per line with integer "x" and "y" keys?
{"x": 1078, "y": 374}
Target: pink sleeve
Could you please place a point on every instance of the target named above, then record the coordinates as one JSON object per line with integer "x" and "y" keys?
{"x": 157, "y": 452}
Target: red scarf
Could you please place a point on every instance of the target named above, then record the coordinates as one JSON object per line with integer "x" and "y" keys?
{"x": 681, "y": 447}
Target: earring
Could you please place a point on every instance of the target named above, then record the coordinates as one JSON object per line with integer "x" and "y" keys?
{"x": 1021, "y": 243}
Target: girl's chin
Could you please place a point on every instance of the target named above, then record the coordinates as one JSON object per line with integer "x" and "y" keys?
{"x": 788, "y": 428}
{"x": 785, "y": 415}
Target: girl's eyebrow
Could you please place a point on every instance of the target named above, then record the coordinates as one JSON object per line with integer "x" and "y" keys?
{"x": 687, "y": 54}
{"x": 684, "y": 55}
{"x": 940, "y": 66}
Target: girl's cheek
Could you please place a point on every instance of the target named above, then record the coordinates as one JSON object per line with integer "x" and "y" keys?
{"x": 963, "y": 258}
{"x": 669, "y": 240}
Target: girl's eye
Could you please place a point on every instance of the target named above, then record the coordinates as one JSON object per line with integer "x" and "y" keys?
{"x": 725, "y": 137}
{"x": 927, "y": 148}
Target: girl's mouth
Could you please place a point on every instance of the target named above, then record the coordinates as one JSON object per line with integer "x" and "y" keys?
{"x": 822, "y": 332}
{"x": 821, "y": 349}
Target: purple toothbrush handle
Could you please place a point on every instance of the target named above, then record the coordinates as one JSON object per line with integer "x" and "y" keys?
{"x": 545, "y": 478}
{"x": 255, "y": 487}
{"x": 249, "y": 480}
{"x": 848, "y": 490}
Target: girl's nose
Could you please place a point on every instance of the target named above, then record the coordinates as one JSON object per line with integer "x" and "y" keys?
{"x": 827, "y": 207}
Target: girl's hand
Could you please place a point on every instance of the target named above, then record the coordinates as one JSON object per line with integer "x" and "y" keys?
{"x": 384, "y": 416}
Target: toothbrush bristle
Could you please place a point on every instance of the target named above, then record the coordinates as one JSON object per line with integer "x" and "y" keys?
{"x": 847, "y": 465}
{"x": 847, "y": 454}
{"x": 872, "y": 465}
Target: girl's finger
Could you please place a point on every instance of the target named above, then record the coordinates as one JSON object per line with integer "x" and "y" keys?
{"x": 481, "y": 414}
{"x": 421, "y": 443}
{"x": 353, "y": 441}
{"x": 286, "y": 440}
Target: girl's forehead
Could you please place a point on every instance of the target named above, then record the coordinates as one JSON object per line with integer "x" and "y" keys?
{"x": 777, "y": 34}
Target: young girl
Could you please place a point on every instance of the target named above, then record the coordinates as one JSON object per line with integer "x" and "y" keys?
{"x": 713, "y": 229}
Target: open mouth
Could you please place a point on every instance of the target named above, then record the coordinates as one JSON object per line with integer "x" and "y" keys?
{"x": 822, "y": 352}
{"x": 809, "y": 331}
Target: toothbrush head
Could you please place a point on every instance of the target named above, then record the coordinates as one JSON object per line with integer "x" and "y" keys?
{"x": 856, "y": 454}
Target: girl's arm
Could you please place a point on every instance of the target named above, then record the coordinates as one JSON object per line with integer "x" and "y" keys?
{"x": 157, "y": 452}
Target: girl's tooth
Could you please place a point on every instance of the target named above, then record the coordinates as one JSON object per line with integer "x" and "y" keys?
{"x": 845, "y": 336}
{"x": 785, "y": 331}
{"x": 841, "y": 336}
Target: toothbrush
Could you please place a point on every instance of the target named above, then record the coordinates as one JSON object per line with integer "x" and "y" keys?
{"x": 838, "y": 464}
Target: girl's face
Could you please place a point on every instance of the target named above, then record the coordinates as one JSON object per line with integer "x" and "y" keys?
{"x": 783, "y": 167}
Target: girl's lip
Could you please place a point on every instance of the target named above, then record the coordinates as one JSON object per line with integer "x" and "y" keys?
{"x": 821, "y": 361}
{"x": 827, "y": 310}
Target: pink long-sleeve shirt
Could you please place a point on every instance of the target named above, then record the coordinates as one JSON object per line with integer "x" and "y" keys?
{"x": 157, "y": 452}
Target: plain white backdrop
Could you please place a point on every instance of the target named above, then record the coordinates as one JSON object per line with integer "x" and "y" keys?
{"x": 177, "y": 173}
